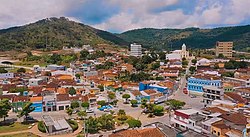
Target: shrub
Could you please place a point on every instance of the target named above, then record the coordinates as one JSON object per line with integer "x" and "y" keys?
{"x": 41, "y": 127}
{"x": 73, "y": 124}
{"x": 134, "y": 123}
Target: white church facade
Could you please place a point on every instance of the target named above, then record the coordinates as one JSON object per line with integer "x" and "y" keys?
{"x": 179, "y": 54}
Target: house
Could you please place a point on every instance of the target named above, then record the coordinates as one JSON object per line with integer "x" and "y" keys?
{"x": 144, "y": 132}
{"x": 19, "y": 102}
{"x": 62, "y": 101}
{"x": 6, "y": 75}
{"x": 235, "y": 98}
{"x": 125, "y": 67}
{"x": 188, "y": 119}
{"x": 37, "y": 103}
{"x": 151, "y": 95}
{"x": 55, "y": 67}
{"x": 35, "y": 81}
{"x": 203, "y": 63}
{"x": 207, "y": 125}
{"x": 151, "y": 85}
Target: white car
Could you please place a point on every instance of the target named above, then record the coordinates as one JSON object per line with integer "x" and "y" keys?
{"x": 90, "y": 111}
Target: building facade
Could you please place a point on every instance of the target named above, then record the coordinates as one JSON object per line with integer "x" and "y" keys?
{"x": 195, "y": 85}
{"x": 135, "y": 50}
{"x": 212, "y": 93}
{"x": 224, "y": 48}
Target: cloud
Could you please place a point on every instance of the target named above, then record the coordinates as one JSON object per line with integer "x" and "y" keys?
{"x": 19, "y": 12}
{"x": 122, "y": 15}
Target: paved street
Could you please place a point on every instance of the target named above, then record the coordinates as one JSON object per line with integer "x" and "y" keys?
{"x": 179, "y": 95}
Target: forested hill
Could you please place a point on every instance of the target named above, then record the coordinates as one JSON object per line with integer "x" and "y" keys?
{"x": 59, "y": 32}
{"x": 56, "y": 32}
{"x": 193, "y": 37}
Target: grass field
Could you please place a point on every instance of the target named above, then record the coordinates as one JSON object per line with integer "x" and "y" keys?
{"x": 27, "y": 134}
{"x": 14, "y": 127}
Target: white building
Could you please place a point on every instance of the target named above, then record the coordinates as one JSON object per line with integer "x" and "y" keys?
{"x": 135, "y": 50}
{"x": 183, "y": 52}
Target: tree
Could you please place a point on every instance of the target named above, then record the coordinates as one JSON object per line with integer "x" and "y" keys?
{"x": 175, "y": 104}
{"x": 84, "y": 54}
{"x": 155, "y": 65}
{"x": 149, "y": 108}
{"x": 101, "y": 87}
{"x": 158, "y": 110}
{"x": 111, "y": 95}
{"x": 69, "y": 111}
{"x": 21, "y": 70}
{"x": 72, "y": 91}
{"x": 162, "y": 55}
{"x": 134, "y": 103}
{"x": 121, "y": 112}
{"x": 194, "y": 61}
{"x": 146, "y": 59}
{"x": 74, "y": 104}
{"x": 107, "y": 122}
{"x": 85, "y": 104}
{"x": 133, "y": 123}
{"x": 5, "y": 107}
{"x": 102, "y": 102}
{"x": 82, "y": 114}
{"x": 78, "y": 76}
{"x": 2, "y": 70}
{"x": 144, "y": 102}
{"x": 126, "y": 97}
{"x": 55, "y": 58}
{"x": 184, "y": 63}
{"x": 221, "y": 56}
{"x": 92, "y": 125}
{"x": 192, "y": 69}
{"x": 26, "y": 110}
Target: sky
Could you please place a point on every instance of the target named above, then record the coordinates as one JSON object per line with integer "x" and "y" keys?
{"x": 122, "y": 15}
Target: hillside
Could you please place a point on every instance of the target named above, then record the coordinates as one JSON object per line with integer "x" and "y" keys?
{"x": 56, "y": 32}
{"x": 193, "y": 37}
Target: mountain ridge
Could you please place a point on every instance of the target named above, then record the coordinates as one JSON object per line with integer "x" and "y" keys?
{"x": 54, "y": 33}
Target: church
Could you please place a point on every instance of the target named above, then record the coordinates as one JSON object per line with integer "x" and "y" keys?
{"x": 183, "y": 52}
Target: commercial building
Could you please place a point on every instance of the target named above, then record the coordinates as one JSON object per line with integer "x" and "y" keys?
{"x": 211, "y": 93}
{"x": 224, "y": 48}
{"x": 188, "y": 119}
{"x": 135, "y": 50}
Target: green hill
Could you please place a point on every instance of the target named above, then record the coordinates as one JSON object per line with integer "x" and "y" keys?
{"x": 193, "y": 37}
{"x": 56, "y": 32}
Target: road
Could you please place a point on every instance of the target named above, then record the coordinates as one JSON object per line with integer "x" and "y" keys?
{"x": 196, "y": 102}
{"x": 14, "y": 66}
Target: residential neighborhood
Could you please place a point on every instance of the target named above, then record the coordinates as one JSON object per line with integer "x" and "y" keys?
{"x": 168, "y": 94}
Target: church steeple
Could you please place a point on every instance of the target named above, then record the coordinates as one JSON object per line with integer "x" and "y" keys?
{"x": 184, "y": 48}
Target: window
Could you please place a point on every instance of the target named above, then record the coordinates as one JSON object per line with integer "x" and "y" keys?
{"x": 218, "y": 133}
{"x": 61, "y": 107}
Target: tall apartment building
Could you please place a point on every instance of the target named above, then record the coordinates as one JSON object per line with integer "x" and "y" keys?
{"x": 224, "y": 48}
{"x": 135, "y": 50}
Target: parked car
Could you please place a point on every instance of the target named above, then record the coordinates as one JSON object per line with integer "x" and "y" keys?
{"x": 75, "y": 111}
{"x": 90, "y": 111}
{"x": 192, "y": 96}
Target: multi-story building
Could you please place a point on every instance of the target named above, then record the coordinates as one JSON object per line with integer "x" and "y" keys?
{"x": 183, "y": 52}
{"x": 212, "y": 93}
{"x": 195, "y": 84}
{"x": 224, "y": 48}
{"x": 188, "y": 119}
{"x": 135, "y": 50}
